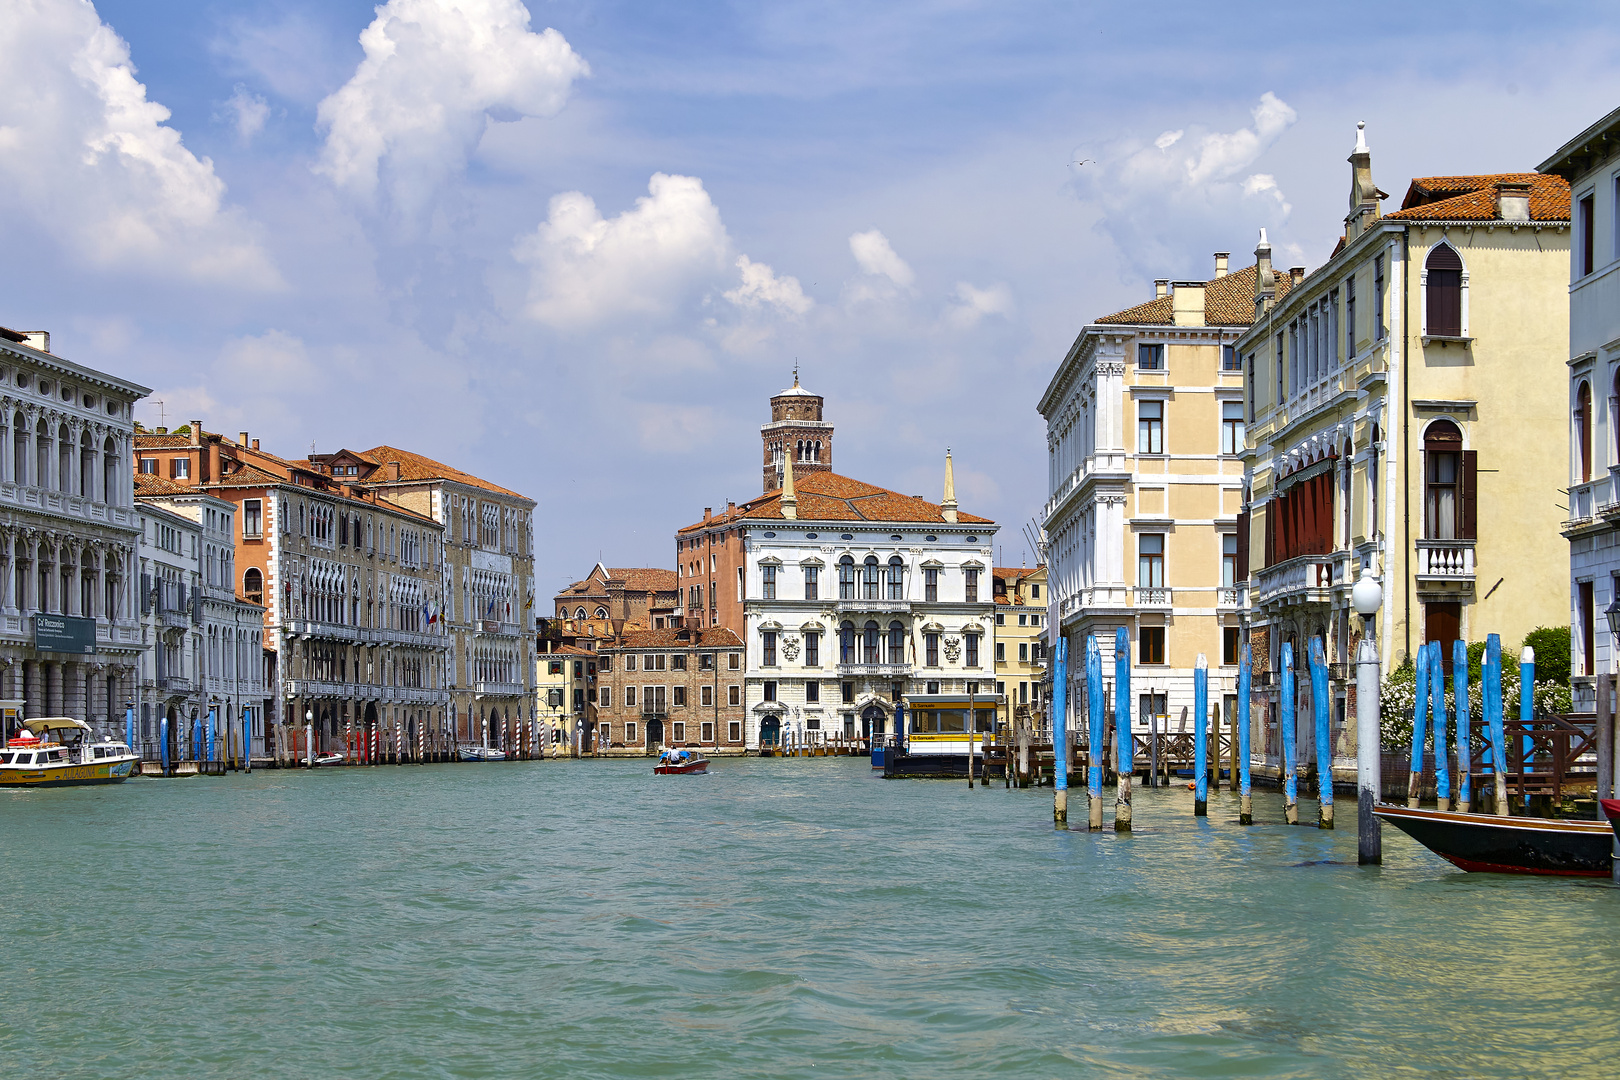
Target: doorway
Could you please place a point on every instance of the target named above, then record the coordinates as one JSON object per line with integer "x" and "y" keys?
{"x": 770, "y": 731}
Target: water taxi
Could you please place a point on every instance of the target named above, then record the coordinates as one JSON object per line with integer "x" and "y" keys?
{"x": 34, "y": 758}
{"x": 676, "y": 762}
{"x": 936, "y": 741}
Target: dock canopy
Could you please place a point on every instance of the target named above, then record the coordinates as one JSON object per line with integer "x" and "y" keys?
{"x": 39, "y": 725}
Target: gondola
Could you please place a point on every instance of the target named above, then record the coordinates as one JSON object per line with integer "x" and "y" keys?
{"x": 1485, "y": 843}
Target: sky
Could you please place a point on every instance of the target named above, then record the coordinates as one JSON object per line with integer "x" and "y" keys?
{"x": 574, "y": 247}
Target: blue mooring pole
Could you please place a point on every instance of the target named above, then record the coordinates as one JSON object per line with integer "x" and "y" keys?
{"x": 1122, "y": 728}
{"x": 129, "y": 726}
{"x": 1324, "y": 748}
{"x": 1290, "y": 770}
{"x": 213, "y": 719}
{"x": 1459, "y": 693}
{"x": 1437, "y": 711}
{"x": 163, "y": 745}
{"x": 1493, "y": 721}
{"x": 247, "y": 740}
{"x": 1060, "y": 734}
{"x": 1245, "y": 676}
{"x": 1094, "y": 718}
{"x": 1527, "y": 697}
{"x": 1201, "y": 738}
{"x": 1420, "y": 722}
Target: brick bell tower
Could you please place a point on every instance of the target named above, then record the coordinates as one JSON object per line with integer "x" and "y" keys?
{"x": 796, "y": 428}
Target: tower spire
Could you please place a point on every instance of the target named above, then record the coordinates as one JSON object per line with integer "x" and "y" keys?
{"x": 790, "y": 501}
{"x": 947, "y": 505}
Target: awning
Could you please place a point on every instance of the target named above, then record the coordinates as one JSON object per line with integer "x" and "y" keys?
{"x": 1308, "y": 472}
{"x": 41, "y": 724}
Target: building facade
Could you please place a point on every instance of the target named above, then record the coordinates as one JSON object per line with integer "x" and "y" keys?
{"x": 1020, "y": 645}
{"x": 70, "y": 635}
{"x": 670, "y": 687}
{"x": 353, "y": 591}
{"x": 1389, "y": 394}
{"x": 1145, "y": 437}
{"x": 1590, "y": 162}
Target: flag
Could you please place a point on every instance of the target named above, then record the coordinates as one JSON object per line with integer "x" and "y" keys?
{"x": 491, "y": 609}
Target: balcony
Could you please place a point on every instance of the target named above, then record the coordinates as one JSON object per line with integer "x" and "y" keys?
{"x": 1229, "y": 597}
{"x": 877, "y": 671}
{"x": 24, "y": 497}
{"x": 175, "y": 620}
{"x": 1152, "y": 597}
{"x": 1445, "y": 566}
{"x": 1305, "y": 579}
{"x": 175, "y": 684}
{"x": 494, "y": 626}
{"x": 366, "y": 635}
{"x": 499, "y": 689}
{"x": 1111, "y": 462}
{"x": 874, "y": 607}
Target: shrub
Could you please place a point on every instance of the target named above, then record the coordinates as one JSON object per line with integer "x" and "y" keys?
{"x": 1552, "y": 654}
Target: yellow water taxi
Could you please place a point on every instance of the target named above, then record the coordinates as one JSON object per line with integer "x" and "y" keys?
{"x": 44, "y": 755}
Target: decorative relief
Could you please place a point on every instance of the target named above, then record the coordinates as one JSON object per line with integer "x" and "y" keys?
{"x": 790, "y": 646}
{"x": 953, "y": 649}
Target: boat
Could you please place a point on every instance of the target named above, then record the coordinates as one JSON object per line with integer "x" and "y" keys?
{"x": 331, "y": 757}
{"x": 480, "y": 753}
{"x": 1485, "y": 843}
{"x": 34, "y": 758}
{"x": 680, "y": 762}
{"x": 1611, "y": 810}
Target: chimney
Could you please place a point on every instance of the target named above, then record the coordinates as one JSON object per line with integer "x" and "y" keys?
{"x": 947, "y": 505}
{"x": 708, "y": 512}
{"x": 1364, "y": 194}
{"x": 37, "y": 339}
{"x": 1513, "y": 200}
{"x": 1220, "y": 263}
{"x": 790, "y": 500}
{"x": 730, "y": 506}
{"x": 1187, "y": 303}
{"x": 1265, "y": 281}
{"x": 1297, "y": 274}
{"x": 214, "y": 474}
{"x": 1160, "y": 287}
{"x": 255, "y": 444}
{"x": 241, "y": 438}
{"x": 393, "y": 472}
{"x": 196, "y": 433}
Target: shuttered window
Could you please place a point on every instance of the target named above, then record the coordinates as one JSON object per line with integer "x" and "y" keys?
{"x": 1444, "y": 292}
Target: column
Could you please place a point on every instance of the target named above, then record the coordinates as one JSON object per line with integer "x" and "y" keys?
{"x": 73, "y": 689}
{"x": 54, "y": 689}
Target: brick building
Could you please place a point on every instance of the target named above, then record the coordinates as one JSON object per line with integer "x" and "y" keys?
{"x": 670, "y": 687}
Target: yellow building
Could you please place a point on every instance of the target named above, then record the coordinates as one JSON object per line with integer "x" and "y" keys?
{"x": 1020, "y": 645}
{"x": 1145, "y": 440}
{"x": 1406, "y": 405}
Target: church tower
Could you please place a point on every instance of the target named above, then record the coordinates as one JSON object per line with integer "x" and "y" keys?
{"x": 796, "y": 428}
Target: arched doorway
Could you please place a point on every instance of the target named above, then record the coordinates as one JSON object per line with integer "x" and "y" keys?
{"x": 770, "y": 731}
{"x": 655, "y": 735}
{"x": 174, "y": 734}
{"x": 874, "y": 721}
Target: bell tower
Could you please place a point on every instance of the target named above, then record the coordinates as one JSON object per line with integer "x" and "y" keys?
{"x": 796, "y": 428}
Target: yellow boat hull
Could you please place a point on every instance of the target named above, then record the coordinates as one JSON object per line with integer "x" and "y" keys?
{"x": 66, "y": 775}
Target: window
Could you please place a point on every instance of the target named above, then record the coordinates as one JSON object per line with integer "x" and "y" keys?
{"x": 1001, "y": 652}
{"x": 253, "y": 585}
{"x": 605, "y": 663}
{"x": 677, "y": 662}
{"x": 869, "y": 643}
{"x": 1588, "y": 227}
{"x": 734, "y": 732}
{"x": 812, "y": 692}
{"x": 554, "y": 667}
{"x": 1150, "y": 357}
{"x": 846, "y": 642}
{"x": 871, "y": 587}
{"x": 149, "y": 466}
{"x": 1229, "y": 557}
{"x": 1229, "y": 358}
{"x": 812, "y": 575}
{"x": 630, "y": 732}
{"x": 931, "y": 687}
{"x": 1378, "y": 298}
{"x": 1349, "y": 318}
{"x": 1034, "y": 591}
{"x": 1229, "y": 645}
{"x": 897, "y": 643}
{"x": 1150, "y": 427}
{"x": 1150, "y": 645}
{"x": 706, "y": 730}
{"x": 972, "y": 643}
{"x": 680, "y": 695}
{"x": 768, "y": 581}
{"x": 680, "y": 731}
{"x": 1278, "y": 353}
{"x": 734, "y": 695}
{"x": 630, "y": 662}
{"x": 733, "y": 661}
{"x": 1023, "y": 652}
{"x": 1231, "y": 427}
{"x": 931, "y": 645}
{"x": 812, "y": 649}
{"x": 706, "y": 662}
{"x": 180, "y": 468}
{"x": 1150, "y": 561}
{"x": 1023, "y": 620}
{"x": 897, "y": 579}
{"x": 1001, "y": 618}
{"x": 629, "y": 696}
{"x": 931, "y": 586}
{"x": 769, "y": 689}
{"x": 846, "y": 692}
{"x": 607, "y": 697}
{"x": 767, "y": 641}
{"x": 708, "y": 696}
{"x": 970, "y": 579}
{"x": 1583, "y": 431}
{"x": 1442, "y": 475}
{"x": 1443, "y": 292}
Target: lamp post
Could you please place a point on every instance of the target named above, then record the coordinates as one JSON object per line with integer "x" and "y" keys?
{"x": 309, "y": 737}
{"x": 1607, "y": 773}
{"x": 1366, "y": 597}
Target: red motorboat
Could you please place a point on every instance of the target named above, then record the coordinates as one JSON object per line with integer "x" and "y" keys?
{"x": 676, "y": 762}
{"x": 1611, "y": 810}
{"x": 1508, "y": 845}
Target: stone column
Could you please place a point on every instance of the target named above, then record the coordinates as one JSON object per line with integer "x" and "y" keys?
{"x": 53, "y": 689}
{"x": 72, "y": 689}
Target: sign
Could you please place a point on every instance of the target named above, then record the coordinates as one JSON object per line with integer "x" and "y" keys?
{"x": 64, "y": 634}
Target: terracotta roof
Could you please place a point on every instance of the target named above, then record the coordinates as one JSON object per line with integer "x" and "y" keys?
{"x": 647, "y": 578}
{"x": 160, "y": 442}
{"x": 1473, "y": 198}
{"x": 417, "y": 467}
{"x": 1228, "y": 301}
{"x": 826, "y": 496}
{"x": 709, "y": 637}
{"x": 568, "y": 650}
{"x": 1015, "y": 574}
{"x": 153, "y": 484}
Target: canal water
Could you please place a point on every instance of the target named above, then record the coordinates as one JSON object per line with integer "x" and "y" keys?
{"x": 775, "y": 918}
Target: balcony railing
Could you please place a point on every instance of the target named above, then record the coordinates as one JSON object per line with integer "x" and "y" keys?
{"x": 1304, "y": 578}
{"x": 898, "y": 607}
{"x": 177, "y": 683}
{"x": 876, "y": 671}
{"x": 1446, "y": 559}
{"x": 1153, "y": 596}
{"x": 499, "y": 689}
{"x": 1229, "y": 596}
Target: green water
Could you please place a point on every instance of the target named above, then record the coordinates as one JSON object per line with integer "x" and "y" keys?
{"x": 775, "y": 918}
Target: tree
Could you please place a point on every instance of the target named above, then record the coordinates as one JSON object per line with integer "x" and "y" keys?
{"x": 1551, "y": 644}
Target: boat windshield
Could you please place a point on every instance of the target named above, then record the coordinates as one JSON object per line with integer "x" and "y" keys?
{"x": 5, "y": 758}
{"x": 25, "y": 759}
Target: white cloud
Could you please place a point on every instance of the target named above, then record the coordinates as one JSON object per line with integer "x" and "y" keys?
{"x": 969, "y": 304}
{"x": 436, "y": 72}
{"x": 876, "y": 256}
{"x": 88, "y": 157}
{"x": 1168, "y": 139}
{"x": 1222, "y": 155}
{"x": 245, "y": 111}
{"x": 762, "y": 288}
{"x": 585, "y": 268}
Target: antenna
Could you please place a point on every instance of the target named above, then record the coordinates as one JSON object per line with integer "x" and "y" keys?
{"x": 163, "y": 417}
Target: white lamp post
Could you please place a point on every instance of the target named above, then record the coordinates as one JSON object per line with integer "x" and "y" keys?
{"x": 1366, "y": 597}
{"x": 309, "y": 736}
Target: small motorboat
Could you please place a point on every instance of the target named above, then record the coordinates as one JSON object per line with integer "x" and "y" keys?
{"x": 331, "y": 757}
{"x": 480, "y": 753}
{"x": 1485, "y": 843}
{"x": 675, "y": 762}
{"x": 32, "y": 758}
{"x": 1611, "y": 810}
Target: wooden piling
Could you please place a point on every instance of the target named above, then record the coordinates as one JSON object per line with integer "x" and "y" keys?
{"x": 1437, "y": 713}
{"x": 1060, "y": 728}
{"x": 1324, "y": 748}
{"x": 1493, "y": 719}
{"x": 1420, "y": 720}
{"x": 1122, "y": 727}
{"x": 1095, "y": 732}
{"x": 1289, "y": 737}
{"x": 1200, "y": 743}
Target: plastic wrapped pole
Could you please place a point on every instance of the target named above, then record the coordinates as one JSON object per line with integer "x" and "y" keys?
{"x": 1122, "y": 727}
{"x": 1094, "y": 716}
{"x": 1289, "y": 735}
{"x": 1201, "y": 737}
{"x": 1437, "y": 713}
{"x": 1245, "y": 676}
{"x": 1420, "y": 724}
{"x": 1060, "y": 732}
{"x": 1324, "y": 747}
{"x": 1459, "y": 693}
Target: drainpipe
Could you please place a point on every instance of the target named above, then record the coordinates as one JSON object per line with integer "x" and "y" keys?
{"x": 1406, "y": 451}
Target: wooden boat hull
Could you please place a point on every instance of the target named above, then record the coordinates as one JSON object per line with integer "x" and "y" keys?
{"x": 69, "y": 774}
{"x": 683, "y": 769}
{"x": 1611, "y": 810}
{"x": 1485, "y": 843}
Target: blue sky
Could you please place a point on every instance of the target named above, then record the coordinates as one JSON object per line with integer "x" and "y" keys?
{"x": 574, "y": 247}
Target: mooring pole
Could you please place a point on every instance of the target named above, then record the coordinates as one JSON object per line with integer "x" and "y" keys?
{"x": 1289, "y": 735}
{"x": 1200, "y": 728}
{"x": 1527, "y": 704}
{"x": 1492, "y": 676}
{"x": 1324, "y": 747}
{"x": 1437, "y": 712}
{"x": 1465, "y": 756}
{"x": 163, "y": 745}
{"x": 973, "y": 731}
{"x": 1605, "y": 742}
{"x": 1369, "y": 779}
{"x": 1122, "y": 728}
{"x": 1060, "y": 733}
{"x": 129, "y": 726}
{"x": 1095, "y": 724}
{"x": 1245, "y": 674}
{"x": 1420, "y": 721}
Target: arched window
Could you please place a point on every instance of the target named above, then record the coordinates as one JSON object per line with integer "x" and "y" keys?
{"x": 869, "y": 653}
{"x": 897, "y": 643}
{"x": 897, "y": 578}
{"x": 846, "y": 642}
{"x": 19, "y": 448}
{"x": 601, "y": 613}
{"x": 1443, "y": 272}
{"x": 42, "y": 462}
{"x": 579, "y": 613}
{"x": 87, "y": 467}
{"x": 253, "y": 585}
{"x": 846, "y": 578}
{"x": 1583, "y": 431}
{"x": 64, "y": 460}
{"x": 1445, "y": 488}
{"x": 109, "y": 473}
{"x": 870, "y": 585}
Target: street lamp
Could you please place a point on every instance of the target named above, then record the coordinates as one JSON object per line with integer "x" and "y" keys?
{"x": 1366, "y": 597}
{"x": 309, "y": 736}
